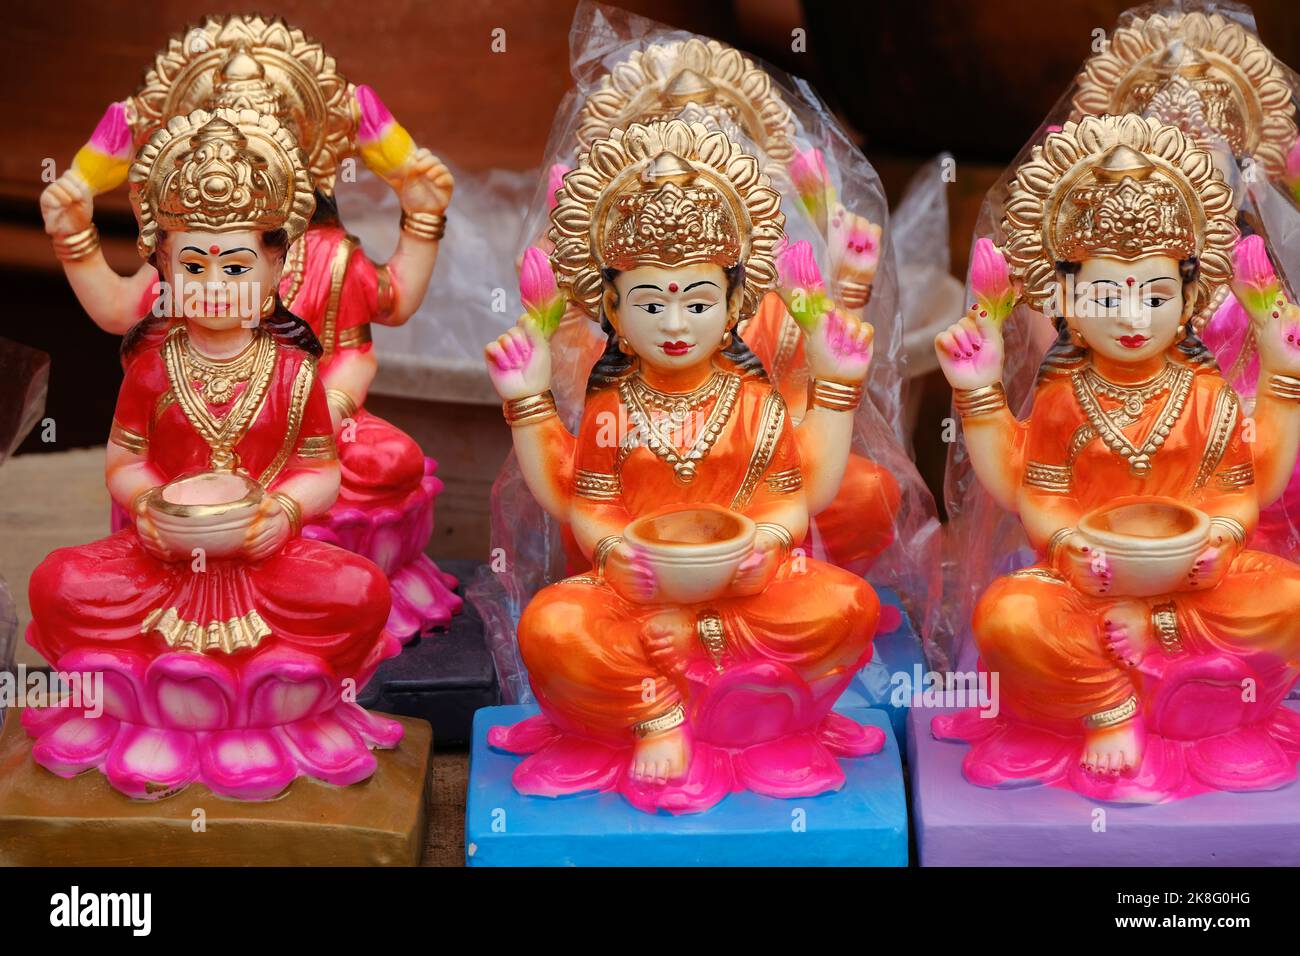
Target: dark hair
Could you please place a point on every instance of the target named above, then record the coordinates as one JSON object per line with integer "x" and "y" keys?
{"x": 285, "y": 327}
{"x": 613, "y": 365}
{"x": 1065, "y": 354}
{"x": 327, "y": 210}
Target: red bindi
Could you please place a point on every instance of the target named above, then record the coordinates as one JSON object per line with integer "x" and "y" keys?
{"x": 214, "y": 249}
{"x": 1130, "y": 280}
{"x": 672, "y": 287}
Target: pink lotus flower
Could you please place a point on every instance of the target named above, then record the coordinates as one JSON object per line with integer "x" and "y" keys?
{"x": 102, "y": 163}
{"x": 542, "y": 298}
{"x": 554, "y": 180}
{"x": 802, "y": 287}
{"x": 812, "y": 182}
{"x": 385, "y": 145}
{"x": 1254, "y": 281}
{"x": 990, "y": 280}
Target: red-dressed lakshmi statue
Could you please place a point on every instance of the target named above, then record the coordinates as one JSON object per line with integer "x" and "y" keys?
{"x": 1146, "y": 654}
{"x": 385, "y": 504}
{"x": 696, "y": 654}
{"x": 230, "y": 645}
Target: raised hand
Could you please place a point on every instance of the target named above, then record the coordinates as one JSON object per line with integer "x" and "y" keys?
{"x": 426, "y": 185}
{"x": 838, "y": 347}
{"x": 1277, "y": 334}
{"x": 971, "y": 351}
{"x": 67, "y": 205}
{"x": 519, "y": 361}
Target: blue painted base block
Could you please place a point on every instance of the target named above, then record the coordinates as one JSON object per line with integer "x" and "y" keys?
{"x": 863, "y": 824}
{"x": 959, "y": 824}
{"x": 896, "y": 652}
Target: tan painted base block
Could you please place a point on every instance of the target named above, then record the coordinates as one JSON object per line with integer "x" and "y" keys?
{"x": 47, "y": 820}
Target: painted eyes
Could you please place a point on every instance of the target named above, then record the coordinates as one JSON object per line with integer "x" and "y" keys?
{"x": 1112, "y": 302}
{"x": 699, "y": 308}
{"x": 233, "y": 269}
{"x": 653, "y": 308}
{"x": 695, "y": 308}
{"x": 193, "y": 268}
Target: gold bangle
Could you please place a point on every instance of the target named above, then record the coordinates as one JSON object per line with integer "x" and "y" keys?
{"x": 78, "y": 245}
{"x": 852, "y": 294}
{"x": 424, "y": 225}
{"x": 1054, "y": 543}
{"x": 384, "y": 298}
{"x": 1285, "y": 387}
{"x": 835, "y": 396}
{"x": 778, "y": 531}
{"x": 1164, "y": 621}
{"x": 292, "y": 510}
{"x": 1109, "y": 718}
{"x": 657, "y": 725}
{"x": 1231, "y": 525}
{"x": 530, "y": 409}
{"x": 974, "y": 402}
{"x": 600, "y": 553}
{"x": 341, "y": 400}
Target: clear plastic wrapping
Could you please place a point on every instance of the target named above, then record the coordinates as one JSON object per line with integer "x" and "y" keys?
{"x": 983, "y": 541}
{"x": 527, "y": 544}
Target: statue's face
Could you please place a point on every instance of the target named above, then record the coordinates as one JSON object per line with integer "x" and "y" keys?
{"x": 672, "y": 318}
{"x": 1125, "y": 310}
{"x": 220, "y": 280}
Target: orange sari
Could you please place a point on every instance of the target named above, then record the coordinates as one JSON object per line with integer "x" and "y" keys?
{"x": 1045, "y": 638}
{"x": 582, "y": 642}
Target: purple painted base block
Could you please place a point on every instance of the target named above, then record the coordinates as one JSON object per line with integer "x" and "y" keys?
{"x": 959, "y": 824}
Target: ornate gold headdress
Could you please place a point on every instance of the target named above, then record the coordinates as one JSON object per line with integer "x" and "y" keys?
{"x": 251, "y": 62}
{"x": 1123, "y": 187}
{"x": 222, "y": 171}
{"x": 669, "y": 80}
{"x": 1204, "y": 73}
{"x": 665, "y": 194}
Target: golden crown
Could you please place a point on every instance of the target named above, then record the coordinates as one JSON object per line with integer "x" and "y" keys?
{"x": 665, "y": 194}
{"x": 1123, "y": 187}
{"x": 1204, "y": 73}
{"x": 253, "y": 62}
{"x": 693, "y": 80}
{"x": 222, "y": 171}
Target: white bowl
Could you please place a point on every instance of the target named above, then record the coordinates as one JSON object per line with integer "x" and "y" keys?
{"x": 212, "y": 511}
{"x": 1150, "y": 542}
{"x": 694, "y": 551}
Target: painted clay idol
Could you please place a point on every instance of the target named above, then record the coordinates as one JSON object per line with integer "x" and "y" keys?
{"x": 226, "y": 638}
{"x": 385, "y": 504}
{"x": 696, "y": 655}
{"x": 1145, "y": 654}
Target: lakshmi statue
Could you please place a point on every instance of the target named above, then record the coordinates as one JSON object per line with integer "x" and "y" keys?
{"x": 384, "y": 509}
{"x": 1146, "y": 653}
{"x": 705, "y": 81}
{"x": 1216, "y": 81}
{"x": 696, "y": 655}
{"x": 230, "y": 644}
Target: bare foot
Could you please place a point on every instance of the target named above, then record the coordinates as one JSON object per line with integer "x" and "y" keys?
{"x": 1128, "y": 632}
{"x": 1111, "y": 751}
{"x": 662, "y": 757}
{"x": 668, "y": 638}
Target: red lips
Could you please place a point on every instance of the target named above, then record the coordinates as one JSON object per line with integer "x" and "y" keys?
{"x": 1133, "y": 341}
{"x": 676, "y": 348}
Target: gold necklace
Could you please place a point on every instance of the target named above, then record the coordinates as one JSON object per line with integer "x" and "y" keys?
{"x": 679, "y": 406}
{"x": 218, "y": 377}
{"x": 1134, "y": 397}
{"x": 635, "y": 393}
{"x": 1088, "y": 385}
{"x": 220, "y": 434}
{"x": 297, "y": 270}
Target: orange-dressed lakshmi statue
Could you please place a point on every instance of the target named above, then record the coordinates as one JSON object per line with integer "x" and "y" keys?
{"x": 385, "y": 505}
{"x": 227, "y": 641}
{"x": 710, "y": 82}
{"x": 1146, "y": 654}
{"x": 697, "y": 655}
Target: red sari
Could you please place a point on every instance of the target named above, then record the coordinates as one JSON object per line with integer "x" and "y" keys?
{"x": 310, "y": 596}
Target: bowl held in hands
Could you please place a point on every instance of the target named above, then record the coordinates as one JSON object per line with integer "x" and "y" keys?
{"x": 212, "y": 511}
{"x": 1150, "y": 542}
{"x": 694, "y": 551}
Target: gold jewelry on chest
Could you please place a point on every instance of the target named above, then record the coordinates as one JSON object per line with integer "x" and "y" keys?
{"x": 253, "y": 366}
{"x": 640, "y": 398}
{"x": 1090, "y": 387}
